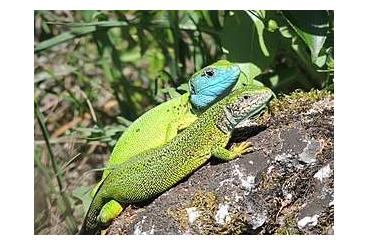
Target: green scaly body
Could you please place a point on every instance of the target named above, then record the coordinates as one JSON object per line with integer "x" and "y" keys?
{"x": 162, "y": 123}
{"x": 153, "y": 129}
{"x": 146, "y": 175}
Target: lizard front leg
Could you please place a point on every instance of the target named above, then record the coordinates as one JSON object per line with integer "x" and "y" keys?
{"x": 234, "y": 152}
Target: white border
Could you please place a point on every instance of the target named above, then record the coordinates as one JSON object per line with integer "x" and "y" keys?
{"x": 183, "y": 5}
{"x": 350, "y": 124}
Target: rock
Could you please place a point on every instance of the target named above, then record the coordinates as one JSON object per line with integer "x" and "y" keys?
{"x": 284, "y": 187}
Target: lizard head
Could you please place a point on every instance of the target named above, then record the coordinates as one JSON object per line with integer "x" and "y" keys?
{"x": 243, "y": 104}
{"x": 212, "y": 83}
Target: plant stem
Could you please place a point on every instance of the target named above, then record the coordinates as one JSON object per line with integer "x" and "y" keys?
{"x": 65, "y": 204}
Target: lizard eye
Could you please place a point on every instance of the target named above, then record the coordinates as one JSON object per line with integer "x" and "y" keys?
{"x": 209, "y": 72}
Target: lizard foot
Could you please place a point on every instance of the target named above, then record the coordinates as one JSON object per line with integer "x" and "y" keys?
{"x": 242, "y": 148}
{"x": 109, "y": 211}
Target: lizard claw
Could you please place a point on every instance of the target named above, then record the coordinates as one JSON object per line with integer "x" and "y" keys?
{"x": 242, "y": 148}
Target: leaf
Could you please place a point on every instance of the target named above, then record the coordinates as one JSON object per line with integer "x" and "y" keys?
{"x": 256, "y": 18}
{"x": 123, "y": 121}
{"x": 171, "y": 91}
{"x": 83, "y": 193}
{"x": 250, "y": 70}
{"x": 188, "y": 20}
{"x": 321, "y": 61}
{"x": 246, "y": 39}
{"x": 183, "y": 87}
{"x": 112, "y": 23}
{"x": 257, "y": 83}
{"x": 215, "y": 17}
{"x": 66, "y": 36}
{"x": 76, "y": 30}
{"x": 89, "y": 15}
{"x": 311, "y": 27}
{"x": 143, "y": 42}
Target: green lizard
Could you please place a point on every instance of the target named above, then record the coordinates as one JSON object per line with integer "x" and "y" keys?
{"x": 162, "y": 123}
{"x": 154, "y": 171}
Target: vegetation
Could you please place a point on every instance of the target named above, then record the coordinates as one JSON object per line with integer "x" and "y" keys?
{"x": 96, "y": 71}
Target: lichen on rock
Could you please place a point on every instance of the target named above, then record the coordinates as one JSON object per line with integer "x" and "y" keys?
{"x": 284, "y": 187}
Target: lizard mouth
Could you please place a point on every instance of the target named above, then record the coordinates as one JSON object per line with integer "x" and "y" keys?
{"x": 257, "y": 113}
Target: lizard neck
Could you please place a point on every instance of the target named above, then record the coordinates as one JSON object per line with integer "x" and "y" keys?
{"x": 226, "y": 122}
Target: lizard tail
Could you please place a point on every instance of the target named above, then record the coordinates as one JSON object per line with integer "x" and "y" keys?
{"x": 91, "y": 225}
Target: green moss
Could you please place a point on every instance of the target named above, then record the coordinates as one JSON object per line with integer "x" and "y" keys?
{"x": 180, "y": 216}
{"x": 296, "y": 102}
{"x": 207, "y": 204}
{"x": 325, "y": 222}
{"x": 205, "y": 201}
{"x": 290, "y": 226}
{"x": 270, "y": 181}
{"x": 238, "y": 224}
